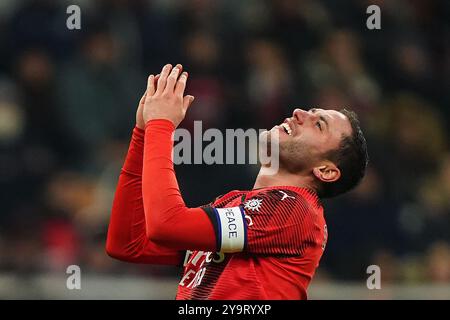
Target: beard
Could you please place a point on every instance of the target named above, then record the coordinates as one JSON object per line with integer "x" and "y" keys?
{"x": 295, "y": 156}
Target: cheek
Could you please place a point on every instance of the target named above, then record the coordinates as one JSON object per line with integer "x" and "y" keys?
{"x": 304, "y": 141}
{"x": 309, "y": 146}
{"x": 294, "y": 147}
{"x": 317, "y": 142}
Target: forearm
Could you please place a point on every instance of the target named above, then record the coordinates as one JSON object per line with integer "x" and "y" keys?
{"x": 127, "y": 238}
{"x": 126, "y": 232}
{"x": 169, "y": 221}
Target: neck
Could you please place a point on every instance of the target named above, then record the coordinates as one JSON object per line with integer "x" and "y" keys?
{"x": 281, "y": 178}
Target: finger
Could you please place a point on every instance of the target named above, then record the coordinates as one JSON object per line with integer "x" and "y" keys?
{"x": 181, "y": 84}
{"x": 163, "y": 78}
{"x": 179, "y": 66}
{"x": 142, "y": 101}
{"x": 151, "y": 85}
{"x": 187, "y": 101}
{"x": 156, "y": 81}
{"x": 172, "y": 79}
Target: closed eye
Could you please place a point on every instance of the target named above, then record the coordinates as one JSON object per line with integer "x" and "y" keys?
{"x": 319, "y": 125}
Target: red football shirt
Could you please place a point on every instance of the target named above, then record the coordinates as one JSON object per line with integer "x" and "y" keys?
{"x": 283, "y": 240}
{"x": 259, "y": 244}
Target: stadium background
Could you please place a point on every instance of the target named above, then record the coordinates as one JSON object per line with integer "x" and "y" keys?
{"x": 67, "y": 107}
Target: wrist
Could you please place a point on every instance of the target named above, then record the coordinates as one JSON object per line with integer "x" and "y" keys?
{"x": 140, "y": 126}
{"x": 137, "y": 138}
{"x": 138, "y": 132}
{"x": 161, "y": 122}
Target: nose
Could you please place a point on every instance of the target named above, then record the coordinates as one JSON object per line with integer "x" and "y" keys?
{"x": 300, "y": 115}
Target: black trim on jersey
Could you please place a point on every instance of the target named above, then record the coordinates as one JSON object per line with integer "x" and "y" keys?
{"x": 213, "y": 217}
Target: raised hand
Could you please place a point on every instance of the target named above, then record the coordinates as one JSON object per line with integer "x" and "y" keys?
{"x": 165, "y": 98}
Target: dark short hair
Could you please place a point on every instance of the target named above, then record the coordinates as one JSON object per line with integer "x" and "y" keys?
{"x": 350, "y": 157}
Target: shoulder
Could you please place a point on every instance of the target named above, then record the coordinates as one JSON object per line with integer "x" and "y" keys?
{"x": 224, "y": 199}
{"x": 292, "y": 197}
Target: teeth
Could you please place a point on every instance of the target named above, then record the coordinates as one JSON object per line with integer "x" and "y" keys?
{"x": 287, "y": 128}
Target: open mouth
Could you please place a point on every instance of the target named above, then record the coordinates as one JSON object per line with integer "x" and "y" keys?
{"x": 286, "y": 128}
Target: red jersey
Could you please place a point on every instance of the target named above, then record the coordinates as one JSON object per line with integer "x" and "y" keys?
{"x": 283, "y": 240}
{"x": 260, "y": 244}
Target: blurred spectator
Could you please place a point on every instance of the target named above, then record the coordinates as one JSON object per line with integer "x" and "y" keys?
{"x": 96, "y": 93}
{"x": 438, "y": 262}
{"x": 203, "y": 58}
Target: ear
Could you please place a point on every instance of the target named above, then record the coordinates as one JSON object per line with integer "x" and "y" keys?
{"x": 328, "y": 172}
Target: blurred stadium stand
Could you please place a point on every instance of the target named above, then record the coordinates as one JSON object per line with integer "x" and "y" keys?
{"x": 137, "y": 288}
{"x": 67, "y": 106}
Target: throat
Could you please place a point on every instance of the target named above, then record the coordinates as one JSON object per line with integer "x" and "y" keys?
{"x": 281, "y": 178}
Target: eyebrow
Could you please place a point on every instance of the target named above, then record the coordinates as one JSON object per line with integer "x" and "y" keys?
{"x": 314, "y": 110}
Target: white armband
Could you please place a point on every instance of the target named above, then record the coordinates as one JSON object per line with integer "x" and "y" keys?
{"x": 232, "y": 229}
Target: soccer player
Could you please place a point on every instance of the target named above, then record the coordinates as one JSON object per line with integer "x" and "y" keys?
{"x": 263, "y": 243}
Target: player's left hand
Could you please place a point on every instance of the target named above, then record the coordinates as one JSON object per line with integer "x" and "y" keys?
{"x": 165, "y": 98}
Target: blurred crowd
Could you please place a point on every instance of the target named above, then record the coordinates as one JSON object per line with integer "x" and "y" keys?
{"x": 68, "y": 100}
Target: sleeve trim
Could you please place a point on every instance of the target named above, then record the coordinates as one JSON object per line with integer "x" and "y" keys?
{"x": 212, "y": 214}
